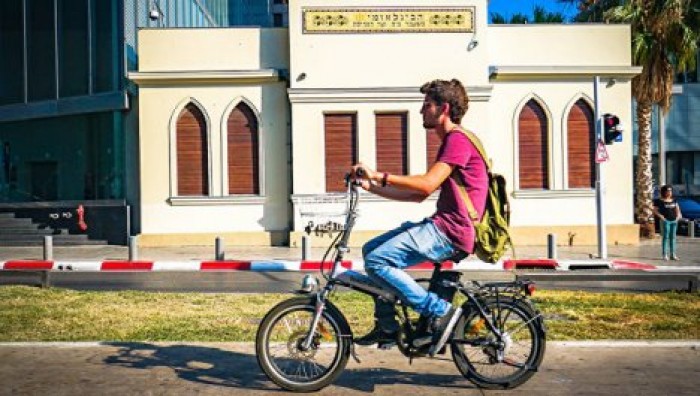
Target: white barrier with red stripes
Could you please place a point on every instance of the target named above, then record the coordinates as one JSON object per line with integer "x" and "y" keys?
{"x": 309, "y": 265}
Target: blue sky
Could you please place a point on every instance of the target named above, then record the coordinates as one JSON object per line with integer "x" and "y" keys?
{"x": 510, "y": 7}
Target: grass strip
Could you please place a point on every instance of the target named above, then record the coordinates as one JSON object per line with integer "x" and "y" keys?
{"x": 32, "y": 314}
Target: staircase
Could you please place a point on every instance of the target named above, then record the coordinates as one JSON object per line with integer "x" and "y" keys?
{"x": 17, "y": 231}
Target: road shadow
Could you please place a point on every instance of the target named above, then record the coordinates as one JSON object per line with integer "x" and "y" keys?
{"x": 213, "y": 366}
{"x": 366, "y": 380}
{"x": 194, "y": 363}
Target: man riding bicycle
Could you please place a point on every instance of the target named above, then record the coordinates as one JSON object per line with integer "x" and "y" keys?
{"x": 446, "y": 233}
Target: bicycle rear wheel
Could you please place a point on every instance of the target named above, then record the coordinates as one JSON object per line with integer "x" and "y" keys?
{"x": 279, "y": 346}
{"x": 493, "y": 365}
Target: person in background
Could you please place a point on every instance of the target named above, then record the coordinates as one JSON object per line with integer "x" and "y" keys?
{"x": 667, "y": 210}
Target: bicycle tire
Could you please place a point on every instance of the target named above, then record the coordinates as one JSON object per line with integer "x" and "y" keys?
{"x": 332, "y": 323}
{"x": 470, "y": 362}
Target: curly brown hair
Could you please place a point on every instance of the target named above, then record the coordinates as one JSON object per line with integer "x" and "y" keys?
{"x": 451, "y": 92}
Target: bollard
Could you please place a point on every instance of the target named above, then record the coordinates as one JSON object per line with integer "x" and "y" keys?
{"x": 48, "y": 248}
{"x": 305, "y": 247}
{"x": 219, "y": 249}
{"x": 551, "y": 246}
{"x": 691, "y": 228}
{"x": 133, "y": 249}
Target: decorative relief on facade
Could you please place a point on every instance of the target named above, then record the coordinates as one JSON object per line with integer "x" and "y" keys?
{"x": 388, "y": 20}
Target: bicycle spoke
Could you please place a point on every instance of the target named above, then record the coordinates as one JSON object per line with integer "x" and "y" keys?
{"x": 491, "y": 360}
{"x": 519, "y": 326}
{"x": 504, "y": 321}
{"x": 286, "y": 355}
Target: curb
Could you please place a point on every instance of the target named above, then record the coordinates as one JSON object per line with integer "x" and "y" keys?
{"x": 310, "y": 265}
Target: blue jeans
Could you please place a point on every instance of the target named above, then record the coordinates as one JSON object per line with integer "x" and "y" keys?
{"x": 668, "y": 236}
{"x": 388, "y": 254}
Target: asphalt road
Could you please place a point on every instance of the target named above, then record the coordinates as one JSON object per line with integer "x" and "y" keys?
{"x": 282, "y": 282}
{"x": 215, "y": 369}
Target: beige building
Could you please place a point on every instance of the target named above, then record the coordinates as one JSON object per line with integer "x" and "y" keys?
{"x": 246, "y": 132}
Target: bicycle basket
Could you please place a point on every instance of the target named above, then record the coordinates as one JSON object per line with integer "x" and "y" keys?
{"x": 326, "y": 210}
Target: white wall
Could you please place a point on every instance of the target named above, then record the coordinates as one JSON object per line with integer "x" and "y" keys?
{"x": 385, "y": 59}
{"x": 369, "y": 72}
{"x": 560, "y": 45}
{"x": 161, "y": 100}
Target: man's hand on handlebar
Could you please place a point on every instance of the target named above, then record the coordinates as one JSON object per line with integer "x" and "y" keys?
{"x": 363, "y": 175}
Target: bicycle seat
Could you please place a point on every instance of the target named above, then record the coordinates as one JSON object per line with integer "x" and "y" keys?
{"x": 360, "y": 282}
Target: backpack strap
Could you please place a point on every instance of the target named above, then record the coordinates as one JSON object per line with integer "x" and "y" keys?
{"x": 473, "y": 214}
{"x": 477, "y": 143}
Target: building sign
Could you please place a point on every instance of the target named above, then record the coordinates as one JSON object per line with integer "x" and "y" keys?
{"x": 388, "y": 20}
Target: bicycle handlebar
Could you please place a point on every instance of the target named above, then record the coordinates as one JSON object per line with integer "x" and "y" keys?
{"x": 354, "y": 182}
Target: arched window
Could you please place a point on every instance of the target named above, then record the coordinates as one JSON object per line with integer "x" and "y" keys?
{"x": 243, "y": 154}
{"x": 192, "y": 153}
{"x": 580, "y": 139}
{"x": 533, "y": 147}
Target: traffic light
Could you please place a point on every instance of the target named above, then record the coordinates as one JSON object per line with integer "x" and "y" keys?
{"x": 612, "y": 130}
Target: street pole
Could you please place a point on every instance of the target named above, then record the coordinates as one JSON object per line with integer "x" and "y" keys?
{"x": 599, "y": 175}
{"x": 662, "y": 146}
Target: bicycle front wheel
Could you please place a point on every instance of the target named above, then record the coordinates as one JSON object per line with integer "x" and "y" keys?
{"x": 491, "y": 364}
{"x": 281, "y": 354}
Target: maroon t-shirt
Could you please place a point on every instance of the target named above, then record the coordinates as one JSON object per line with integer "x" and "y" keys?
{"x": 452, "y": 217}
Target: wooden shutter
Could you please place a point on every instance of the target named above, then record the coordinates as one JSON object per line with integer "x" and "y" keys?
{"x": 341, "y": 148}
{"x": 580, "y": 145}
{"x": 243, "y": 154}
{"x": 433, "y": 143}
{"x": 192, "y": 153}
{"x": 533, "y": 147}
{"x": 392, "y": 143}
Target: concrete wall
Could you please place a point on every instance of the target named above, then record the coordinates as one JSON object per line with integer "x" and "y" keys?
{"x": 169, "y": 219}
{"x": 213, "y": 49}
{"x": 559, "y": 45}
{"x": 357, "y": 60}
{"x": 555, "y": 46}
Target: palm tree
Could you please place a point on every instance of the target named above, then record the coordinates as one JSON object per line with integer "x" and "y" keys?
{"x": 519, "y": 18}
{"x": 539, "y": 15}
{"x": 592, "y": 10}
{"x": 498, "y": 19}
{"x": 663, "y": 43}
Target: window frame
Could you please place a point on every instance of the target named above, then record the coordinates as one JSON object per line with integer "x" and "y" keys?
{"x": 224, "y": 150}
{"x": 174, "y": 192}
{"x": 516, "y": 147}
{"x": 565, "y": 140}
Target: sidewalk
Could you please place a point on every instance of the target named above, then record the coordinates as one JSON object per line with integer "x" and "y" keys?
{"x": 647, "y": 252}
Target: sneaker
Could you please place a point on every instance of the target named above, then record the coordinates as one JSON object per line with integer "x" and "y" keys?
{"x": 674, "y": 257}
{"x": 665, "y": 257}
{"x": 440, "y": 324}
{"x": 384, "y": 339}
{"x": 437, "y": 327}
